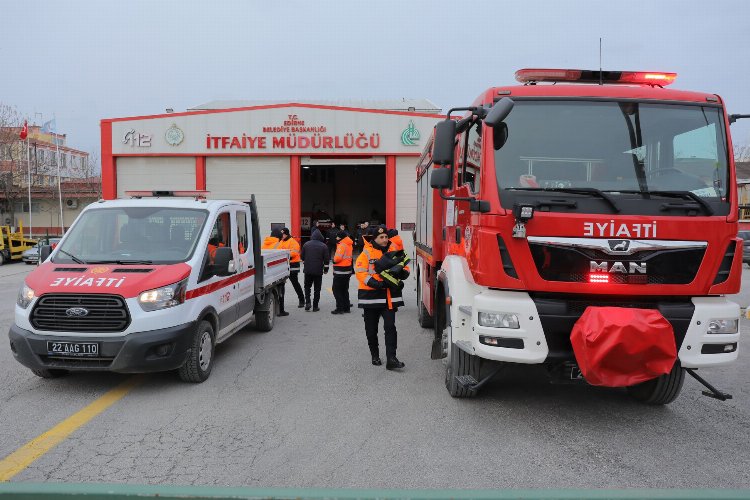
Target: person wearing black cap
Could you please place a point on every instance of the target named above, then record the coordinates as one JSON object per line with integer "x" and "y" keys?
{"x": 379, "y": 294}
{"x": 315, "y": 257}
{"x": 289, "y": 243}
{"x": 342, "y": 271}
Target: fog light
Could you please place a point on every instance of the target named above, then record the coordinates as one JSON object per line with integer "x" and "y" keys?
{"x": 498, "y": 320}
{"x": 721, "y": 325}
{"x": 163, "y": 349}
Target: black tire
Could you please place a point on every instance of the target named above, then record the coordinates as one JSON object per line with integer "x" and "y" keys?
{"x": 661, "y": 390}
{"x": 424, "y": 318}
{"x": 49, "y": 373}
{"x": 264, "y": 319}
{"x": 200, "y": 357}
{"x": 460, "y": 363}
{"x": 2, "y": 258}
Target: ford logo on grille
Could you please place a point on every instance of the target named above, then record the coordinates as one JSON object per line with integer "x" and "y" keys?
{"x": 76, "y": 312}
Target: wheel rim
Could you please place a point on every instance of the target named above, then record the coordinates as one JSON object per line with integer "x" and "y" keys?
{"x": 205, "y": 353}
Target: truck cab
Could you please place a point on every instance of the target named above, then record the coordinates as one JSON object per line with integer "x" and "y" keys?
{"x": 150, "y": 283}
{"x": 578, "y": 189}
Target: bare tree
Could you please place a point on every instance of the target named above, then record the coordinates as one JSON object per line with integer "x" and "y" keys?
{"x": 13, "y": 168}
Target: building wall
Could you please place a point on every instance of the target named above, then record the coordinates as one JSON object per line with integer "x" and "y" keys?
{"x": 45, "y": 215}
{"x": 155, "y": 173}
{"x": 268, "y": 178}
{"x": 406, "y": 197}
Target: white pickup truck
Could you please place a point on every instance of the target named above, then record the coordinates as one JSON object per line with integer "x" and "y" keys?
{"x": 146, "y": 284}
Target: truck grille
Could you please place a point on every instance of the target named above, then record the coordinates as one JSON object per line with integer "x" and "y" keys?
{"x": 571, "y": 264}
{"x": 106, "y": 313}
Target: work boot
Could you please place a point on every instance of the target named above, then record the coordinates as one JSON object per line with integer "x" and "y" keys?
{"x": 336, "y": 311}
{"x": 307, "y": 306}
{"x": 376, "y": 361}
{"x": 283, "y": 313}
{"x": 301, "y": 304}
{"x": 316, "y": 309}
{"x": 393, "y": 364}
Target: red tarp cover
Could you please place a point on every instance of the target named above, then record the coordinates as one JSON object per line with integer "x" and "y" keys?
{"x": 620, "y": 346}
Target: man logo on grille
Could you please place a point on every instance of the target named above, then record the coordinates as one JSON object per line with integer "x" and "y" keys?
{"x": 619, "y": 245}
{"x": 77, "y": 312}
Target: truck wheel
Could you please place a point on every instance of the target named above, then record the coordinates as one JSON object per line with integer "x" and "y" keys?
{"x": 2, "y": 258}
{"x": 200, "y": 357}
{"x": 49, "y": 373}
{"x": 460, "y": 363}
{"x": 661, "y": 390}
{"x": 424, "y": 318}
{"x": 266, "y": 313}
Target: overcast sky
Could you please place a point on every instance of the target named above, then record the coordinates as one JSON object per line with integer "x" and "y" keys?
{"x": 87, "y": 60}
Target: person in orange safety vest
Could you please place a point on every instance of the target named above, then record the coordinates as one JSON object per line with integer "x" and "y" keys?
{"x": 289, "y": 243}
{"x": 396, "y": 242}
{"x": 273, "y": 242}
{"x": 342, "y": 272}
{"x": 379, "y": 295}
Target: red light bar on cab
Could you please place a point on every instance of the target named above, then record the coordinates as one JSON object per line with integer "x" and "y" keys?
{"x": 167, "y": 194}
{"x": 530, "y": 75}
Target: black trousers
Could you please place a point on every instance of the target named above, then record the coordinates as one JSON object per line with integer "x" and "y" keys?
{"x": 294, "y": 278}
{"x": 341, "y": 291}
{"x": 311, "y": 280}
{"x": 372, "y": 318}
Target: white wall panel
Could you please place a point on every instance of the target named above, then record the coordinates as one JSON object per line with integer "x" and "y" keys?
{"x": 265, "y": 177}
{"x": 151, "y": 173}
{"x": 406, "y": 197}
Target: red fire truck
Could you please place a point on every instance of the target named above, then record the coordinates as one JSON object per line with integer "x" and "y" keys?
{"x": 585, "y": 220}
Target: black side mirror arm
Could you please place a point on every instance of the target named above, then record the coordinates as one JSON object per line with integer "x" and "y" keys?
{"x": 734, "y": 118}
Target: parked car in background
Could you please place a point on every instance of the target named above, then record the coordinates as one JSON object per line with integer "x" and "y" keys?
{"x": 31, "y": 256}
{"x": 745, "y": 235}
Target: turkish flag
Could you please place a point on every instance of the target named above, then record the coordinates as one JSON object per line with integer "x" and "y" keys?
{"x": 24, "y": 130}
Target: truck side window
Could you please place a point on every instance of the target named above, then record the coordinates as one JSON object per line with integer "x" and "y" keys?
{"x": 242, "y": 244}
{"x": 221, "y": 236}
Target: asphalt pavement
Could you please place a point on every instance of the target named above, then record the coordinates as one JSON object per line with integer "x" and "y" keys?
{"x": 301, "y": 406}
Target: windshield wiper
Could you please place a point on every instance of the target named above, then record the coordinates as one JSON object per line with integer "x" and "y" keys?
{"x": 73, "y": 257}
{"x": 121, "y": 262}
{"x": 685, "y": 195}
{"x": 579, "y": 190}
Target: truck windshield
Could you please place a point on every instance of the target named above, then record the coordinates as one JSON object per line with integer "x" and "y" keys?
{"x": 133, "y": 235}
{"x": 619, "y": 148}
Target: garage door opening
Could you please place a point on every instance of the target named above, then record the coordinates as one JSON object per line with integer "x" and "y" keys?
{"x": 342, "y": 194}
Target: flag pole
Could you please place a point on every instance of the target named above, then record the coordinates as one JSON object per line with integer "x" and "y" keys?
{"x": 59, "y": 186}
{"x": 28, "y": 166}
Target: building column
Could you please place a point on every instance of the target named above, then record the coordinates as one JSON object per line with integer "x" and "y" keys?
{"x": 200, "y": 173}
{"x": 390, "y": 191}
{"x": 295, "y": 195}
{"x": 109, "y": 168}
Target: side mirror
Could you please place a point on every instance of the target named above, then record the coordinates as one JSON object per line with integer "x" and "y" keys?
{"x": 443, "y": 147}
{"x": 481, "y": 206}
{"x": 224, "y": 261}
{"x": 499, "y": 111}
{"x": 441, "y": 178}
{"x": 44, "y": 253}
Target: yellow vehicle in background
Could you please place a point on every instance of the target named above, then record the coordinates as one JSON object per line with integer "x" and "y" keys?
{"x": 13, "y": 244}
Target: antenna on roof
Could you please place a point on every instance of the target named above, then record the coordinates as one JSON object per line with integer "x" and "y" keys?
{"x": 601, "y": 82}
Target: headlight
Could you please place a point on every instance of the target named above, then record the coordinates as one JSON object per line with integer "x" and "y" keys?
{"x": 498, "y": 320}
{"x": 718, "y": 325}
{"x": 164, "y": 297}
{"x": 25, "y": 296}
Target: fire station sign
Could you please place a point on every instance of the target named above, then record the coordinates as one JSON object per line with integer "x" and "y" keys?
{"x": 276, "y": 130}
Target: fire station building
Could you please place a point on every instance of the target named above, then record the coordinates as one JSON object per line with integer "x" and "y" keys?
{"x": 303, "y": 162}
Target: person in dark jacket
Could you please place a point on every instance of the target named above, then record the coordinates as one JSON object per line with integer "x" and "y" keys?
{"x": 315, "y": 257}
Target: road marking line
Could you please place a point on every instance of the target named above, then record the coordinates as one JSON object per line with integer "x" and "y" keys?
{"x": 34, "y": 449}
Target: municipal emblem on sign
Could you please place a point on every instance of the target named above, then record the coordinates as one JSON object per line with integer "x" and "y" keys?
{"x": 174, "y": 136}
{"x": 410, "y": 135}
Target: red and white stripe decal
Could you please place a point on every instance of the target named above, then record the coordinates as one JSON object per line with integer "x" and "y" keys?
{"x": 275, "y": 262}
{"x": 198, "y": 292}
